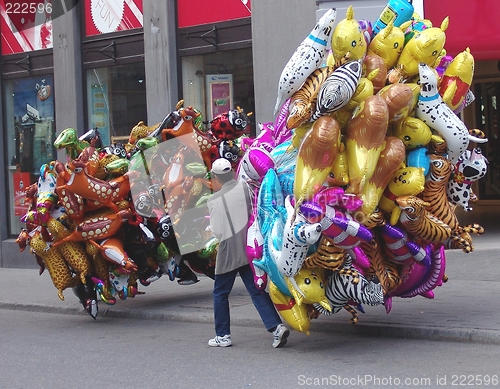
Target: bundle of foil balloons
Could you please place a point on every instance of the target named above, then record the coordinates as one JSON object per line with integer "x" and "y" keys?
{"x": 358, "y": 178}
{"x": 354, "y": 185}
{"x": 118, "y": 216}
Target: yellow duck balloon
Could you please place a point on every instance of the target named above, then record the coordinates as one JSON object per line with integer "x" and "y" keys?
{"x": 413, "y": 132}
{"x": 348, "y": 41}
{"x": 407, "y": 181}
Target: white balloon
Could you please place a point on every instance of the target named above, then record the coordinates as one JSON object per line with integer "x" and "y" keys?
{"x": 433, "y": 111}
{"x": 298, "y": 235}
{"x": 306, "y": 58}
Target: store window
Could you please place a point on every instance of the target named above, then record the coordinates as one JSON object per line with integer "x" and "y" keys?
{"x": 217, "y": 82}
{"x": 30, "y": 134}
{"x": 116, "y": 99}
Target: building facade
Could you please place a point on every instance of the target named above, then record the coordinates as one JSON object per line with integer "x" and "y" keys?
{"x": 97, "y": 63}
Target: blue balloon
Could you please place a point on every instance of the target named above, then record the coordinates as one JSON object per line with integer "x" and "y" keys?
{"x": 419, "y": 158}
{"x": 286, "y": 181}
{"x": 271, "y": 216}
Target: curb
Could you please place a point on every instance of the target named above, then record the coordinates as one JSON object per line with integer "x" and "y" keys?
{"x": 470, "y": 335}
{"x": 466, "y": 335}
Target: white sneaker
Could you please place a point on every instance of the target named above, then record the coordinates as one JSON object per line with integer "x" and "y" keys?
{"x": 280, "y": 336}
{"x": 220, "y": 341}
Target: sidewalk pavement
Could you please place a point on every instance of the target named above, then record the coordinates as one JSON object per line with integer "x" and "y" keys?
{"x": 464, "y": 309}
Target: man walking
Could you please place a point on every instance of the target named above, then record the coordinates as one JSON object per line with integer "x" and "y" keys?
{"x": 233, "y": 199}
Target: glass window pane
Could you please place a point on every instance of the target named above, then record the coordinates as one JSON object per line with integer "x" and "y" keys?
{"x": 197, "y": 70}
{"x": 116, "y": 99}
{"x": 30, "y": 132}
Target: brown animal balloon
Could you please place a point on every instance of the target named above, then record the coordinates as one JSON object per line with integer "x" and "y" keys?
{"x": 371, "y": 63}
{"x": 399, "y": 99}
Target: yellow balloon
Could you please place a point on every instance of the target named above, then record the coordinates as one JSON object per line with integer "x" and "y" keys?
{"x": 388, "y": 44}
{"x": 365, "y": 138}
{"x": 294, "y": 314}
{"x": 413, "y": 132}
{"x": 315, "y": 158}
{"x": 457, "y": 79}
{"x": 308, "y": 287}
{"x": 425, "y": 46}
{"x": 348, "y": 41}
{"x": 408, "y": 181}
{"x": 391, "y": 158}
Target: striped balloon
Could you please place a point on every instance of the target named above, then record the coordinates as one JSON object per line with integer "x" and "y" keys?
{"x": 338, "y": 88}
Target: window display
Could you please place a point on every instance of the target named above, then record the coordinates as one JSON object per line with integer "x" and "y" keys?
{"x": 116, "y": 99}
{"x": 30, "y": 134}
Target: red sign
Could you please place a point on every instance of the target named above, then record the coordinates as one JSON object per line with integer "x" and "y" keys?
{"x": 473, "y": 24}
{"x": 20, "y": 181}
{"x": 195, "y": 12}
{"x": 103, "y": 16}
{"x": 25, "y": 26}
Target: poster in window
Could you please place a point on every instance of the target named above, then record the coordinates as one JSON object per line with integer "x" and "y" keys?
{"x": 220, "y": 89}
{"x": 21, "y": 181}
{"x": 100, "y": 111}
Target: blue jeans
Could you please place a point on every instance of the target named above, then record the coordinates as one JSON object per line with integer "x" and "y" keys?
{"x": 222, "y": 287}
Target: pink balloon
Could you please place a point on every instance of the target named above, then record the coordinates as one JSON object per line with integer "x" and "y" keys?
{"x": 245, "y": 143}
{"x": 435, "y": 276}
{"x": 281, "y": 131}
{"x": 255, "y": 164}
{"x": 418, "y": 274}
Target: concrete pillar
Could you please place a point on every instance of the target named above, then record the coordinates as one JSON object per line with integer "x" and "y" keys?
{"x": 278, "y": 28}
{"x": 68, "y": 78}
{"x": 160, "y": 57}
{"x": 3, "y": 203}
